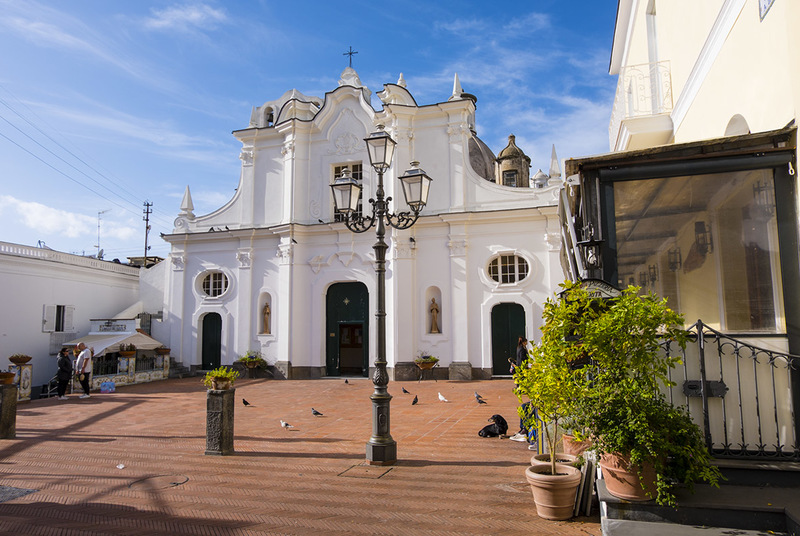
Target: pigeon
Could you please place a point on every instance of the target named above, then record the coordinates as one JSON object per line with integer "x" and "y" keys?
{"x": 442, "y": 398}
{"x": 345, "y": 381}
{"x": 404, "y": 391}
{"x": 315, "y": 413}
{"x": 477, "y": 396}
{"x": 481, "y": 401}
{"x": 245, "y": 402}
{"x": 286, "y": 425}
{"x": 414, "y": 402}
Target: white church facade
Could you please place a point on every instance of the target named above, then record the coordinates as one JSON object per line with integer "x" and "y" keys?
{"x": 275, "y": 270}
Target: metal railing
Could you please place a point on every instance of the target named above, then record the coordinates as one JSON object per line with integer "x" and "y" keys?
{"x": 739, "y": 394}
{"x": 105, "y": 365}
{"x": 642, "y": 90}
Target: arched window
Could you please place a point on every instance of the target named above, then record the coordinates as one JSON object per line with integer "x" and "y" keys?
{"x": 215, "y": 284}
{"x": 508, "y": 268}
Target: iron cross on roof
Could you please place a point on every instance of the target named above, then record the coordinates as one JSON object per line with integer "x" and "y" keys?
{"x": 350, "y": 53}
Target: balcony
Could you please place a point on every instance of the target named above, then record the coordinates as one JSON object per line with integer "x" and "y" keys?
{"x": 642, "y": 106}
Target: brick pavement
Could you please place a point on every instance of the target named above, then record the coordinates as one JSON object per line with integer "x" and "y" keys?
{"x": 309, "y": 480}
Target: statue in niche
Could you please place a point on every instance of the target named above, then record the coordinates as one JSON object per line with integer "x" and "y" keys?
{"x": 266, "y": 319}
{"x": 434, "y": 309}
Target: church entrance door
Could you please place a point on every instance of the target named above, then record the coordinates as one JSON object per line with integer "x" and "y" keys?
{"x": 212, "y": 341}
{"x": 508, "y": 325}
{"x": 347, "y": 330}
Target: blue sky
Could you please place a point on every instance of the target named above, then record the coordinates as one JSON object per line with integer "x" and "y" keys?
{"x": 104, "y": 105}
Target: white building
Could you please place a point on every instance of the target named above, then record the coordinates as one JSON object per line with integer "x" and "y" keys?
{"x": 51, "y": 298}
{"x": 486, "y": 254}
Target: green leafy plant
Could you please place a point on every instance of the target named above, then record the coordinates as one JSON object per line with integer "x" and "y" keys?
{"x": 253, "y": 358}
{"x": 620, "y": 369}
{"x": 223, "y": 373}
{"x": 425, "y": 358}
{"x": 546, "y": 378}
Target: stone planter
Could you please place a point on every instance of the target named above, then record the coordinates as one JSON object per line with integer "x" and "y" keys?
{"x": 127, "y": 353}
{"x": 20, "y": 359}
{"x": 219, "y": 422}
{"x": 622, "y": 480}
{"x": 6, "y": 378}
{"x": 163, "y": 351}
{"x": 220, "y": 384}
{"x": 554, "y": 495}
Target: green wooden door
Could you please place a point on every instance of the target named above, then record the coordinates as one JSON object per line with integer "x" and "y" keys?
{"x": 212, "y": 341}
{"x": 347, "y": 329}
{"x": 508, "y": 325}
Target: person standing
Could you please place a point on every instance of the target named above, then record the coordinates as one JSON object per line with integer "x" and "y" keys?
{"x": 64, "y": 374}
{"x": 83, "y": 368}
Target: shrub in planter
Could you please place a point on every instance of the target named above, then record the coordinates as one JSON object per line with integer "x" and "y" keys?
{"x": 220, "y": 378}
{"x": 253, "y": 359}
{"x": 622, "y": 407}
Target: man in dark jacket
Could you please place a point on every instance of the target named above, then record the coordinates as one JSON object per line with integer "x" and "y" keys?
{"x": 64, "y": 374}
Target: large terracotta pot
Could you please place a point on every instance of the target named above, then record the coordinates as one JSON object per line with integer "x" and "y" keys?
{"x": 622, "y": 479}
{"x": 573, "y": 446}
{"x": 561, "y": 457}
{"x": 554, "y": 495}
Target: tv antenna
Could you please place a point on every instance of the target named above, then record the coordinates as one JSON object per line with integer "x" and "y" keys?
{"x": 147, "y": 212}
{"x": 100, "y": 251}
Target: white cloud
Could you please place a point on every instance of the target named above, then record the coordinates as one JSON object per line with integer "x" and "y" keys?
{"x": 49, "y": 220}
{"x": 185, "y": 18}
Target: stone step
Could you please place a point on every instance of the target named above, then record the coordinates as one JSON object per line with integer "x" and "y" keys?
{"x": 621, "y": 527}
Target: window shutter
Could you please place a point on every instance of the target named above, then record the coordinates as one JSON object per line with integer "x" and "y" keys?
{"x": 69, "y": 313}
{"x": 49, "y": 320}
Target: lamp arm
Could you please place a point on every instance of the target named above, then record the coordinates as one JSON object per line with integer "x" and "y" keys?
{"x": 361, "y": 224}
{"x": 402, "y": 220}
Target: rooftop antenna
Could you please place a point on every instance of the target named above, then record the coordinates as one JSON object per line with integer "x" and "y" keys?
{"x": 100, "y": 251}
{"x": 147, "y": 212}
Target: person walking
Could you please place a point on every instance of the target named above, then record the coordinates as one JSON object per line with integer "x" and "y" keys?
{"x": 64, "y": 374}
{"x": 83, "y": 368}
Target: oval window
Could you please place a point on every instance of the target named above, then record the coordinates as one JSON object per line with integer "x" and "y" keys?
{"x": 508, "y": 269}
{"x": 215, "y": 284}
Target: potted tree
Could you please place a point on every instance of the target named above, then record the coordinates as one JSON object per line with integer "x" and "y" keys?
{"x": 220, "y": 379}
{"x": 547, "y": 382}
{"x": 641, "y": 437}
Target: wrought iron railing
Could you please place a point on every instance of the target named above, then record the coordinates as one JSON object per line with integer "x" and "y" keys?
{"x": 739, "y": 394}
{"x": 105, "y": 365}
{"x": 642, "y": 90}
{"x": 146, "y": 363}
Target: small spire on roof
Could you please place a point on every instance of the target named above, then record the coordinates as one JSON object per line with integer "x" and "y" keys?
{"x": 457, "y": 91}
{"x": 555, "y": 168}
{"x": 401, "y": 81}
{"x": 186, "y": 205}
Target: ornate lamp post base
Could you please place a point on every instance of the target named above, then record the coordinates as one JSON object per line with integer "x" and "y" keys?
{"x": 381, "y": 448}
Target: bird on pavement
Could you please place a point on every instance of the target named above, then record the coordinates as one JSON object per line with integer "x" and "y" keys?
{"x": 405, "y": 391}
{"x": 442, "y": 398}
{"x": 315, "y": 413}
{"x": 477, "y": 396}
{"x": 481, "y": 401}
{"x": 245, "y": 402}
{"x": 345, "y": 381}
{"x": 414, "y": 402}
{"x": 286, "y": 425}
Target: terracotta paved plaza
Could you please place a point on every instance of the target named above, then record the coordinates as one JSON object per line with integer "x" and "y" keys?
{"x": 310, "y": 480}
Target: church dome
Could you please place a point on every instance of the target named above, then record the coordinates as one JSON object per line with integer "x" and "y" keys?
{"x": 481, "y": 158}
{"x": 511, "y": 150}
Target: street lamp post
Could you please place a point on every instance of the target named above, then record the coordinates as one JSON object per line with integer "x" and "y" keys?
{"x": 381, "y": 448}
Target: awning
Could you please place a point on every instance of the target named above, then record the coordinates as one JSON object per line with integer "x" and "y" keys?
{"x": 103, "y": 344}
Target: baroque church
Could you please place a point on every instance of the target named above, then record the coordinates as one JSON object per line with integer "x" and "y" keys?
{"x": 276, "y": 270}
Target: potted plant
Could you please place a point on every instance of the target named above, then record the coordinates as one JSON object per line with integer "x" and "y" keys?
{"x": 253, "y": 360}
{"x": 220, "y": 378}
{"x": 163, "y": 350}
{"x": 19, "y": 359}
{"x": 6, "y": 377}
{"x": 425, "y": 361}
{"x": 632, "y": 425}
{"x": 547, "y": 382}
{"x": 127, "y": 350}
